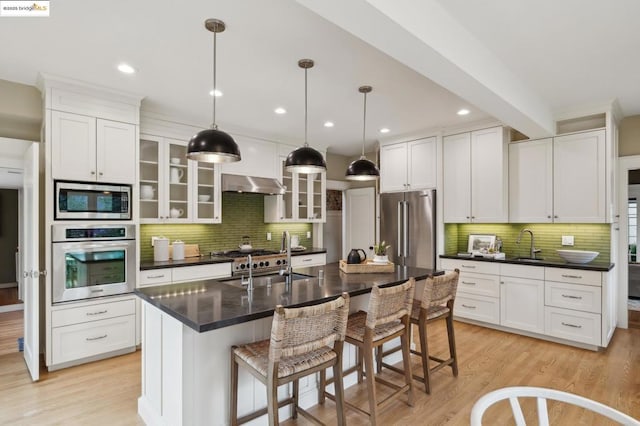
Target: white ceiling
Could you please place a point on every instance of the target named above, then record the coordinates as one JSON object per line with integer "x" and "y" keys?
{"x": 567, "y": 53}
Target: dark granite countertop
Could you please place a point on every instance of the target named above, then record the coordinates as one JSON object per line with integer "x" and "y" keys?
{"x": 591, "y": 266}
{"x": 207, "y": 259}
{"x": 212, "y": 304}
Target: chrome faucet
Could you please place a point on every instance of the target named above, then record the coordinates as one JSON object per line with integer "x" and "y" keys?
{"x": 285, "y": 246}
{"x": 534, "y": 250}
{"x": 249, "y": 281}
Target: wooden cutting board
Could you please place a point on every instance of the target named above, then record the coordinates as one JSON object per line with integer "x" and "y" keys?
{"x": 190, "y": 250}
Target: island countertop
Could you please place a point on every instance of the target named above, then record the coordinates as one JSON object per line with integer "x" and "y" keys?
{"x": 212, "y": 304}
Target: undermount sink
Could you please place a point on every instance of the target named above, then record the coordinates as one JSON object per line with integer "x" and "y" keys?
{"x": 265, "y": 280}
{"x": 527, "y": 259}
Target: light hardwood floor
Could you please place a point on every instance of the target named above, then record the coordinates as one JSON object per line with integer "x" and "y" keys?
{"x": 106, "y": 392}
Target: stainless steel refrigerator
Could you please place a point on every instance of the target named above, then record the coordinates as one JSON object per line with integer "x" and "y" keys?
{"x": 408, "y": 224}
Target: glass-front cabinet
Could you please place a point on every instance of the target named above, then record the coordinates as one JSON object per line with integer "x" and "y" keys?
{"x": 172, "y": 188}
{"x": 303, "y": 201}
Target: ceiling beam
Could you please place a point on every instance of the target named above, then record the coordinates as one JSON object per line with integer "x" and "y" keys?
{"x": 422, "y": 35}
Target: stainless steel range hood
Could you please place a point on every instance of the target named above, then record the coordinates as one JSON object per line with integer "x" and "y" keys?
{"x": 251, "y": 184}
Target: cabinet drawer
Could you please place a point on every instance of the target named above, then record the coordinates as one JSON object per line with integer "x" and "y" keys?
{"x": 575, "y": 276}
{"x": 522, "y": 271}
{"x": 573, "y": 325}
{"x": 481, "y": 284}
{"x": 155, "y": 276}
{"x": 201, "y": 272}
{"x": 317, "y": 259}
{"x": 92, "y": 338}
{"x": 573, "y": 296}
{"x": 480, "y": 308}
{"x": 102, "y": 311}
{"x": 471, "y": 266}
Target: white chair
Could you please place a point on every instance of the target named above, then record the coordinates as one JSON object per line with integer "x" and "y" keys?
{"x": 542, "y": 394}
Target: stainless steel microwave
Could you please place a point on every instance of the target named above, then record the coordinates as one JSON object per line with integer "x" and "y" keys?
{"x": 82, "y": 200}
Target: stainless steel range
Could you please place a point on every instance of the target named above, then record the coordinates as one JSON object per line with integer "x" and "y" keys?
{"x": 262, "y": 261}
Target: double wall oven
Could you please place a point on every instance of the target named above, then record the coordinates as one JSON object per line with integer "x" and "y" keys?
{"x": 92, "y": 260}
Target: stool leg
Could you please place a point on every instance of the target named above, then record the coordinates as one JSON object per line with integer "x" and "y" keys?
{"x": 424, "y": 354}
{"x": 296, "y": 389}
{"x": 272, "y": 394}
{"x": 359, "y": 356}
{"x": 234, "y": 389}
{"x": 339, "y": 387}
{"x": 379, "y": 359}
{"x": 406, "y": 360}
{"x": 367, "y": 352}
{"x": 322, "y": 386}
{"x": 452, "y": 344}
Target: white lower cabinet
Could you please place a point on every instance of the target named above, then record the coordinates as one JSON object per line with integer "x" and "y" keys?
{"x": 569, "y": 304}
{"x": 80, "y": 332}
{"x": 160, "y": 276}
{"x": 317, "y": 259}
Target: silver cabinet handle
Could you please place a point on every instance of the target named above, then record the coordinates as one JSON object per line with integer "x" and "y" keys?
{"x": 96, "y": 313}
{"x": 468, "y": 282}
{"x": 89, "y": 339}
{"x": 468, "y": 306}
{"x": 97, "y": 291}
{"x": 468, "y": 266}
{"x": 548, "y": 216}
{"x": 92, "y": 172}
{"x": 568, "y": 296}
{"x": 307, "y": 260}
{"x": 101, "y": 173}
{"x": 153, "y": 277}
{"x": 556, "y": 216}
{"x": 571, "y": 325}
{"x": 571, "y": 276}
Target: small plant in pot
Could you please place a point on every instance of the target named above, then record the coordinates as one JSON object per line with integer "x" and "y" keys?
{"x": 380, "y": 251}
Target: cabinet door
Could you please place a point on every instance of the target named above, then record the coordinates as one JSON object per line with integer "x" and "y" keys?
{"x": 177, "y": 202}
{"x": 73, "y": 146}
{"x": 316, "y": 197}
{"x": 151, "y": 179}
{"x": 393, "y": 167}
{"x": 579, "y": 178}
{"x": 489, "y": 176}
{"x": 456, "y": 184}
{"x": 422, "y": 164}
{"x": 116, "y": 151}
{"x": 259, "y": 158}
{"x": 522, "y": 304}
{"x": 206, "y": 194}
{"x": 531, "y": 181}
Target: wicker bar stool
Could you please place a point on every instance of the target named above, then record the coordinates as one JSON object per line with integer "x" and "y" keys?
{"x": 437, "y": 303}
{"x": 387, "y": 318}
{"x": 303, "y": 341}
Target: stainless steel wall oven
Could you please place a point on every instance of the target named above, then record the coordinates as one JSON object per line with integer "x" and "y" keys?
{"x": 92, "y": 261}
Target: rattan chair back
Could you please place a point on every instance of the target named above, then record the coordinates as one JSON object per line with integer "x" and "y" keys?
{"x": 388, "y": 304}
{"x": 440, "y": 289}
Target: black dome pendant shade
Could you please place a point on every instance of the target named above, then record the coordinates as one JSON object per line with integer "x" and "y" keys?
{"x": 213, "y": 145}
{"x": 305, "y": 159}
{"x": 363, "y": 169}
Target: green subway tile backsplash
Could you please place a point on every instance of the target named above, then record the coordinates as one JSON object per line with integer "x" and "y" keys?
{"x": 242, "y": 214}
{"x": 548, "y": 238}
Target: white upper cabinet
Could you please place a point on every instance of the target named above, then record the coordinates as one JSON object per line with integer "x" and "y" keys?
{"x": 259, "y": 158}
{"x": 475, "y": 177}
{"x": 408, "y": 166}
{"x": 531, "y": 181}
{"x": 89, "y": 149}
{"x": 579, "y": 178}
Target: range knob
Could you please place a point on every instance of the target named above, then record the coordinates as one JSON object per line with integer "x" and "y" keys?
{"x": 278, "y": 262}
{"x": 255, "y": 265}
{"x": 284, "y": 261}
{"x": 261, "y": 264}
{"x": 242, "y": 266}
{"x": 266, "y": 263}
{"x": 248, "y": 265}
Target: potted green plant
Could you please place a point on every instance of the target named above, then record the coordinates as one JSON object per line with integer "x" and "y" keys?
{"x": 380, "y": 252}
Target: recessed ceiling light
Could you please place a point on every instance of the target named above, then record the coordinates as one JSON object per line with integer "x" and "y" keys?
{"x": 280, "y": 110}
{"x": 463, "y": 111}
{"x": 126, "y": 68}
{"x": 328, "y": 124}
{"x": 384, "y": 130}
{"x": 218, "y": 93}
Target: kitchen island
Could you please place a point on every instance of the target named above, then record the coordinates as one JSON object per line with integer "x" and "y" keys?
{"x": 188, "y": 330}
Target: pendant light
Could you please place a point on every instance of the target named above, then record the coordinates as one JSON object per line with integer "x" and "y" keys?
{"x": 305, "y": 159}
{"x": 363, "y": 169}
{"x": 213, "y": 145}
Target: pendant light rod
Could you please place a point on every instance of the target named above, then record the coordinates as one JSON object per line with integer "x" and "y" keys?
{"x": 306, "y": 64}
{"x": 364, "y": 90}
{"x": 215, "y": 26}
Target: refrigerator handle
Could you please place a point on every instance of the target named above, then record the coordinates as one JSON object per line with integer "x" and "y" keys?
{"x": 399, "y": 242}
{"x": 405, "y": 228}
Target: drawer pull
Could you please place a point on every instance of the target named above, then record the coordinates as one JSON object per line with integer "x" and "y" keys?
{"x": 571, "y": 325}
{"x": 96, "y": 313}
{"x": 97, "y": 291}
{"x": 572, "y": 276}
{"x": 90, "y": 339}
{"x": 468, "y": 306}
{"x": 307, "y": 260}
{"x": 568, "y": 296}
{"x": 468, "y": 283}
{"x": 153, "y": 277}
{"x": 469, "y": 266}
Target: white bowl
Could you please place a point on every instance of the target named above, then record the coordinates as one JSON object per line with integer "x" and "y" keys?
{"x": 577, "y": 256}
{"x": 204, "y": 198}
{"x": 175, "y": 160}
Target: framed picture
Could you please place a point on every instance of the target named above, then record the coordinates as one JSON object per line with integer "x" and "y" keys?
{"x": 480, "y": 243}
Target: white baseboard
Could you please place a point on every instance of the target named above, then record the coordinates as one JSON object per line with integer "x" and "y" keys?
{"x": 11, "y": 308}
{"x": 8, "y": 285}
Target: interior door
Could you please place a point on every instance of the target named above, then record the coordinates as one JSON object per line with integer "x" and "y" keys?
{"x": 31, "y": 262}
{"x": 360, "y": 208}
